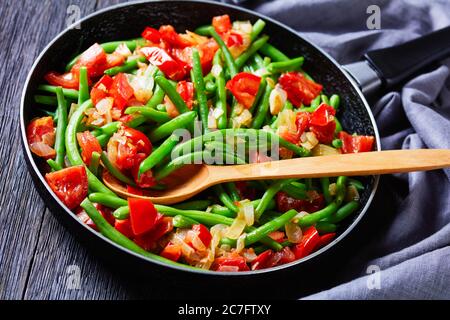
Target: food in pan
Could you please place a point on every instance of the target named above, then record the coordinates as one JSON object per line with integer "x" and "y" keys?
{"x": 118, "y": 108}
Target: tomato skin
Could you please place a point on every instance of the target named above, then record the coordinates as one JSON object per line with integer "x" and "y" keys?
{"x": 151, "y": 34}
{"x": 69, "y": 184}
{"x": 94, "y": 59}
{"x": 42, "y": 131}
{"x": 203, "y": 233}
{"x": 323, "y": 115}
{"x": 286, "y": 203}
{"x": 206, "y": 52}
{"x": 236, "y": 261}
{"x": 244, "y": 87}
{"x": 308, "y": 243}
{"x": 65, "y": 80}
{"x": 88, "y": 144}
{"x": 149, "y": 240}
{"x": 121, "y": 91}
{"x": 160, "y": 58}
{"x": 234, "y": 39}
{"x": 171, "y": 37}
{"x": 138, "y": 139}
{"x": 142, "y": 215}
{"x": 124, "y": 227}
{"x": 299, "y": 89}
{"x": 325, "y": 239}
{"x": 221, "y": 24}
{"x": 146, "y": 179}
{"x": 186, "y": 91}
{"x": 135, "y": 191}
{"x": 171, "y": 252}
{"x": 354, "y": 144}
{"x": 262, "y": 259}
{"x": 302, "y": 121}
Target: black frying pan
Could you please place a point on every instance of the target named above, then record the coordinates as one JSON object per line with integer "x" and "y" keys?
{"x": 382, "y": 69}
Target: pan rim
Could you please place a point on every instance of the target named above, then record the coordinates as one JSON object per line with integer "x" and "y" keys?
{"x": 30, "y": 159}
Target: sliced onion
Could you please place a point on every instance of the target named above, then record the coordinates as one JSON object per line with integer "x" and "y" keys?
{"x": 287, "y": 118}
{"x": 249, "y": 213}
{"x": 42, "y": 150}
{"x": 311, "y": 141}
{"x": 228, "y": 269}
{"x": 293, "y": 232}
{"x": 105, "y": 105}
{"x": 236, "y": 228}
{"x": 277, "y": 99}
{"x": 217, "y": 113}
{"x": 240, "y": 243}
{"x": 196, "y": 242}
{"x": 123, "y": 50}
{"x": 244, "y": 119}
{"x": 323, "y": 150}
{"x": 212, "y": 121}
{"x": 142, "y": 85}
{"x": 332, "y": 189}
{"x": 216, "y": 70}
{"x": 187, "y": 251}
{"x": 249, "y": 255}
{"x": 243, "y": 26}
{"x": 49, "y": 138}
{"x": 299, "y": 215}
{"x": 352, "y": 194}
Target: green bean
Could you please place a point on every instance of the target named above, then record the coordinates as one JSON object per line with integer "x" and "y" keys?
{"x": 111, "y": 233}
{"x": 254, "y": 47}
{"x": 45, "y": 100}
{"x": 95, "y": 161}
{"x": 324, "y": 99}
{"x": 126, "y": 67}
{"x": 224, "y": 211}
{"x": 193, "y": 205}
{"x": 337, "y": 143}
{"x": 157, "y": 97}
{"x": 233, "y": 191}
{"x": 109, "y": 200}
{"x": 210, "y": 77}
{"x": 300, "y": 151}
{"x": 72, "y": 148}
{"x": 312, "y": 218}
{"x": 340, "y": 189}
{"x": 110, "y": 47}
{"x": 338, "y": 125}
{"x": 257, "y": 28}
{"x": 114, "y": 171}
{"x": 272, "y": 52}
{"x": 343, "y": 212}
{"x": 262, "y": 231}
{"x": 325, "y": 227}
{"x": 262, "y": 110}
{"x": 161, "y": 107}
{"x": 68, "y": 93}
{"x": 224, "y": 198}
{"x": 203, "y": 30}
{"x": 210, "y": 87}
{"x": 258, "y": 61}
{"x": 335, "y": 100}
{"x": 284, "y": 66}
{"x": 166, "y": 129}
{"x": 221, "y": 102}
{"x": 200, "y": 89}
{"x": 356, "y": 183}
{"x": 180, "y": 221}
{"x": 229, "y": 60}
{"x": 261, "y": 92}
{"x": 176, "y": 163}
{"x": 159, "y": 154}
{"x": 325, "y": 183}
{"x": 297, "y": 191}
{"x": 60, "y": 128}
{"x": 149, "y": 114}
{"x": 269, "y": 194}
{"x": 122, "y": 213}
{"x": 309, "y": 183}
{"x": 172, "y": 93}
{"x": 136, "y": 121}
{"x": 316, "y": 102}
{"x": 83, "y": 86}
{"x": 53, "y": 165}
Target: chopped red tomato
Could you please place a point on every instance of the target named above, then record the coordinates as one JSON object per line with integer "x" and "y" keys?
{"x": 114, "y": 59}
{"x": 69, "y": 184}
{"x": 170, "y": 36}
{"x": 105, "y": 212}
{"x": 262, "y": 259}
{"x": 149, "y": 240}
{"x": 41, "y": 137}
{"x": 121, "y": 91}
{"x": 245, "y": 191}
{"x": 322, "y": 123}
{"x": 100, "y": 89}
{"x": 355, "y": 143}
{"x": 67, "y": 80}
{"x": 308, "y": 243}
{"x": 299, "y": 89}
{"x": 286, "y": 203}
{"x": 142, "y": 215}
{"x": 124, "y": 227}
{"x": 325, "y": 239}
{"x": 125, "y": 146}
{"x": 171, "y": 252}
{"x": 278, "y": 236}
{"x": 302, "y": 121}
{"x": 88, "y": 144}
{"x": 222, "y": 24}
{"x": 244, "y": 86}
{"x": 151, "y": 34}
{"x": 287, "y": 255}
{"x": 186, "y": 91}
{"x": 135, "y": 191}
{"x": 203, "y": 233}
{"x": 160, "y": 58}
{"x": 234, "y": 39}
{"x": 94, "y": 59}
{"x": 146, "y": 180}
{"x": 206, "y": 51}
{"x": 221, "y": 263}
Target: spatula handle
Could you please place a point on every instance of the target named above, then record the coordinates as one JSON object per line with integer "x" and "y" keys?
{"x": 357, "y": 164}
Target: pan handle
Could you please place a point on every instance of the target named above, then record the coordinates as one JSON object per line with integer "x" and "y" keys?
{"x": 385, "y": 68}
